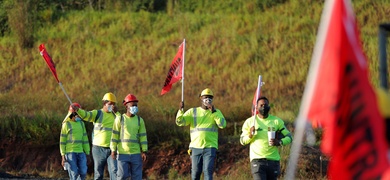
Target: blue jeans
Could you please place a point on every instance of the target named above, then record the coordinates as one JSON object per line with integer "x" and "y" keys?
{"x": 101, "y": 157}
{"x": 202, "y": 160}
{"x": 77, "y": 165}
{"x": 265, "y": 169}
{"x": 132, "y": 163}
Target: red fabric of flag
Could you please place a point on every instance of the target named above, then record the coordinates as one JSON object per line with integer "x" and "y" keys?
{"x": 254, "y": 101}
{"x": 175, "y": 72}
{"x": 343, "y": 100}
{"x": 48, "y": 60}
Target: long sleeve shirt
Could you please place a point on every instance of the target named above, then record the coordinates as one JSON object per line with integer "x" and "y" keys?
{"x": 74, "y": 138}
{"x": 129, "y": 135}
{"x": 203, "y": 126}
{"x": 102, "y": 122}
{"x": 259, "y": 144}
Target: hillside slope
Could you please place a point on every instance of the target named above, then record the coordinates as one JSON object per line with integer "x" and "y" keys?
{"x": 130, "y": 52}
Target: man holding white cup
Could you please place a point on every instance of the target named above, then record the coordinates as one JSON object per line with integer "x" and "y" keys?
{"x": 259, "y": 131}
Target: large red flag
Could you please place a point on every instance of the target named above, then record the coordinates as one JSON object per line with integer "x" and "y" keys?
{"x": 48, "y": 60}
{"x": 341, "y": 98}
{"x": 175, "y": 72}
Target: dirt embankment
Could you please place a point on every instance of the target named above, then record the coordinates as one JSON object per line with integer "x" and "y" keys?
{"x": 31, "y": 160}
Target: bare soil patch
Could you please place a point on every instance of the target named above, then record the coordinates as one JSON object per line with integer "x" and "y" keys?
{"x": 28, "y": 160}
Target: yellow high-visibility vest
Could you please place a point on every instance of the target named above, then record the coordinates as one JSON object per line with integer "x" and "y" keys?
{"x": 203, "y": 126}
{"x": 129, "y": 135}
{"x": 73, "y": 138}
{"x": 103, "y": 122}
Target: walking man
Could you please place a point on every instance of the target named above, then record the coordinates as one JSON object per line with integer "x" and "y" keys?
{"x": 103, "y": 120}
{"x": 129, "y": 143}
{"x": 74, "y": 145}
{"x": 263, "y": 153}
{"x": 204, "y": 122}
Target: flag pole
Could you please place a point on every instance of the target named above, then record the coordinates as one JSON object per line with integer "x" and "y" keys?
{"x": 182, "y": 78}
{"x": 259, "y": 83}
{"x": 308, "y": 93}
{"x": 62, "y": 87}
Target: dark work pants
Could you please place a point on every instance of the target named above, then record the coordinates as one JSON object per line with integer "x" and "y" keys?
{"x": 263, "y": 169}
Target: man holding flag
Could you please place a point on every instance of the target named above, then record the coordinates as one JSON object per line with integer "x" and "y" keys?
{"x": 74, "y": 145}
{"x": 264, "y": 154}
{"x": 204, "y": 122}
{"x": 103, "y": 121}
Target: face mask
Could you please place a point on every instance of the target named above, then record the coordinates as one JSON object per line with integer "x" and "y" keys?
{"x": 264, "y": 110}
{"x": 133, "y": 110}
{"x": 207, "y": 101}
{"x": 78, "y": 119}
{"x": 109, "y": 108}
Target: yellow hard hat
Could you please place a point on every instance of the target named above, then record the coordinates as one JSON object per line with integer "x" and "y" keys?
{"x": 207, "y": 92}
{"x": 109, "y": 97}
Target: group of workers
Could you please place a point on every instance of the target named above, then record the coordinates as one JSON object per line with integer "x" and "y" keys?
{"x": 120, "y": 140}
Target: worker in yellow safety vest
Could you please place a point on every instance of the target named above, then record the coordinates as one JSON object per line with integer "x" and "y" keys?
{"x": 204, "y": 122}
{"x": 129, "y": 143}
{"x": 74, "y": 145}
{"x": 103, "y": 120}
{"x": 264, "y": 132}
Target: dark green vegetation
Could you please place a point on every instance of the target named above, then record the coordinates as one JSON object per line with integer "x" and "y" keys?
{"x": 127, "y": 46}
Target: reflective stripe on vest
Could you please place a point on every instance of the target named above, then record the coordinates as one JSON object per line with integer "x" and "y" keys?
{"x": 98, "y": 124}
{"x": 123, "y": 131}
{"x": 70, "y": 137}
{"x": 195, "y": 129}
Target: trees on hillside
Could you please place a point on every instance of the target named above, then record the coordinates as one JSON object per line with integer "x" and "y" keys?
{"x": 21, "y": 18}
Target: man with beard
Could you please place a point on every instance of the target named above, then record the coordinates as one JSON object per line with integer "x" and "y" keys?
{"x": 264, "y": 154}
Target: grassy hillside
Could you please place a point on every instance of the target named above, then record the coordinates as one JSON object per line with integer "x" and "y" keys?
{"x": 130, "y": 52}
{"x": 126, "y": 52}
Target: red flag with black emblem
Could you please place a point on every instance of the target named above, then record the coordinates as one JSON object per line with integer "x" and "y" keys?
{"x": 175, "y": 72}
{"x": 341, "y": 99}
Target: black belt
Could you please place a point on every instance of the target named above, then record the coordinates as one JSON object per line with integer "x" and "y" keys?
{"x": 262, "y": 159}
{"x": 101, "y": 147}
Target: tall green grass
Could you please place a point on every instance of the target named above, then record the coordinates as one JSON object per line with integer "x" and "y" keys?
{"x": 130, "y": 52}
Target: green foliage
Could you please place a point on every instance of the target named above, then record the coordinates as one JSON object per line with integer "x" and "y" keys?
{"x": 130, "y": 52}
{"x": 4, "y": 29}
{"x": 21, "y": 15}
{"x": 41, "y": 129}
{"x": 127, "y": 46}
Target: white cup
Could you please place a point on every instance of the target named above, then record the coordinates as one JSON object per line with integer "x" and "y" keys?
{"x": 66, "y": 166}
{"x": 271, "y": 135}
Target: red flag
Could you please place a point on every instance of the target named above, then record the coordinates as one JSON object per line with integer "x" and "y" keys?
{"x": 341, "y": 99}
{"x": 48, "y": 60}
{"x": 254, "y": 101}
{"x": 257, "y": 95}
{"x": 175, "y": 72}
